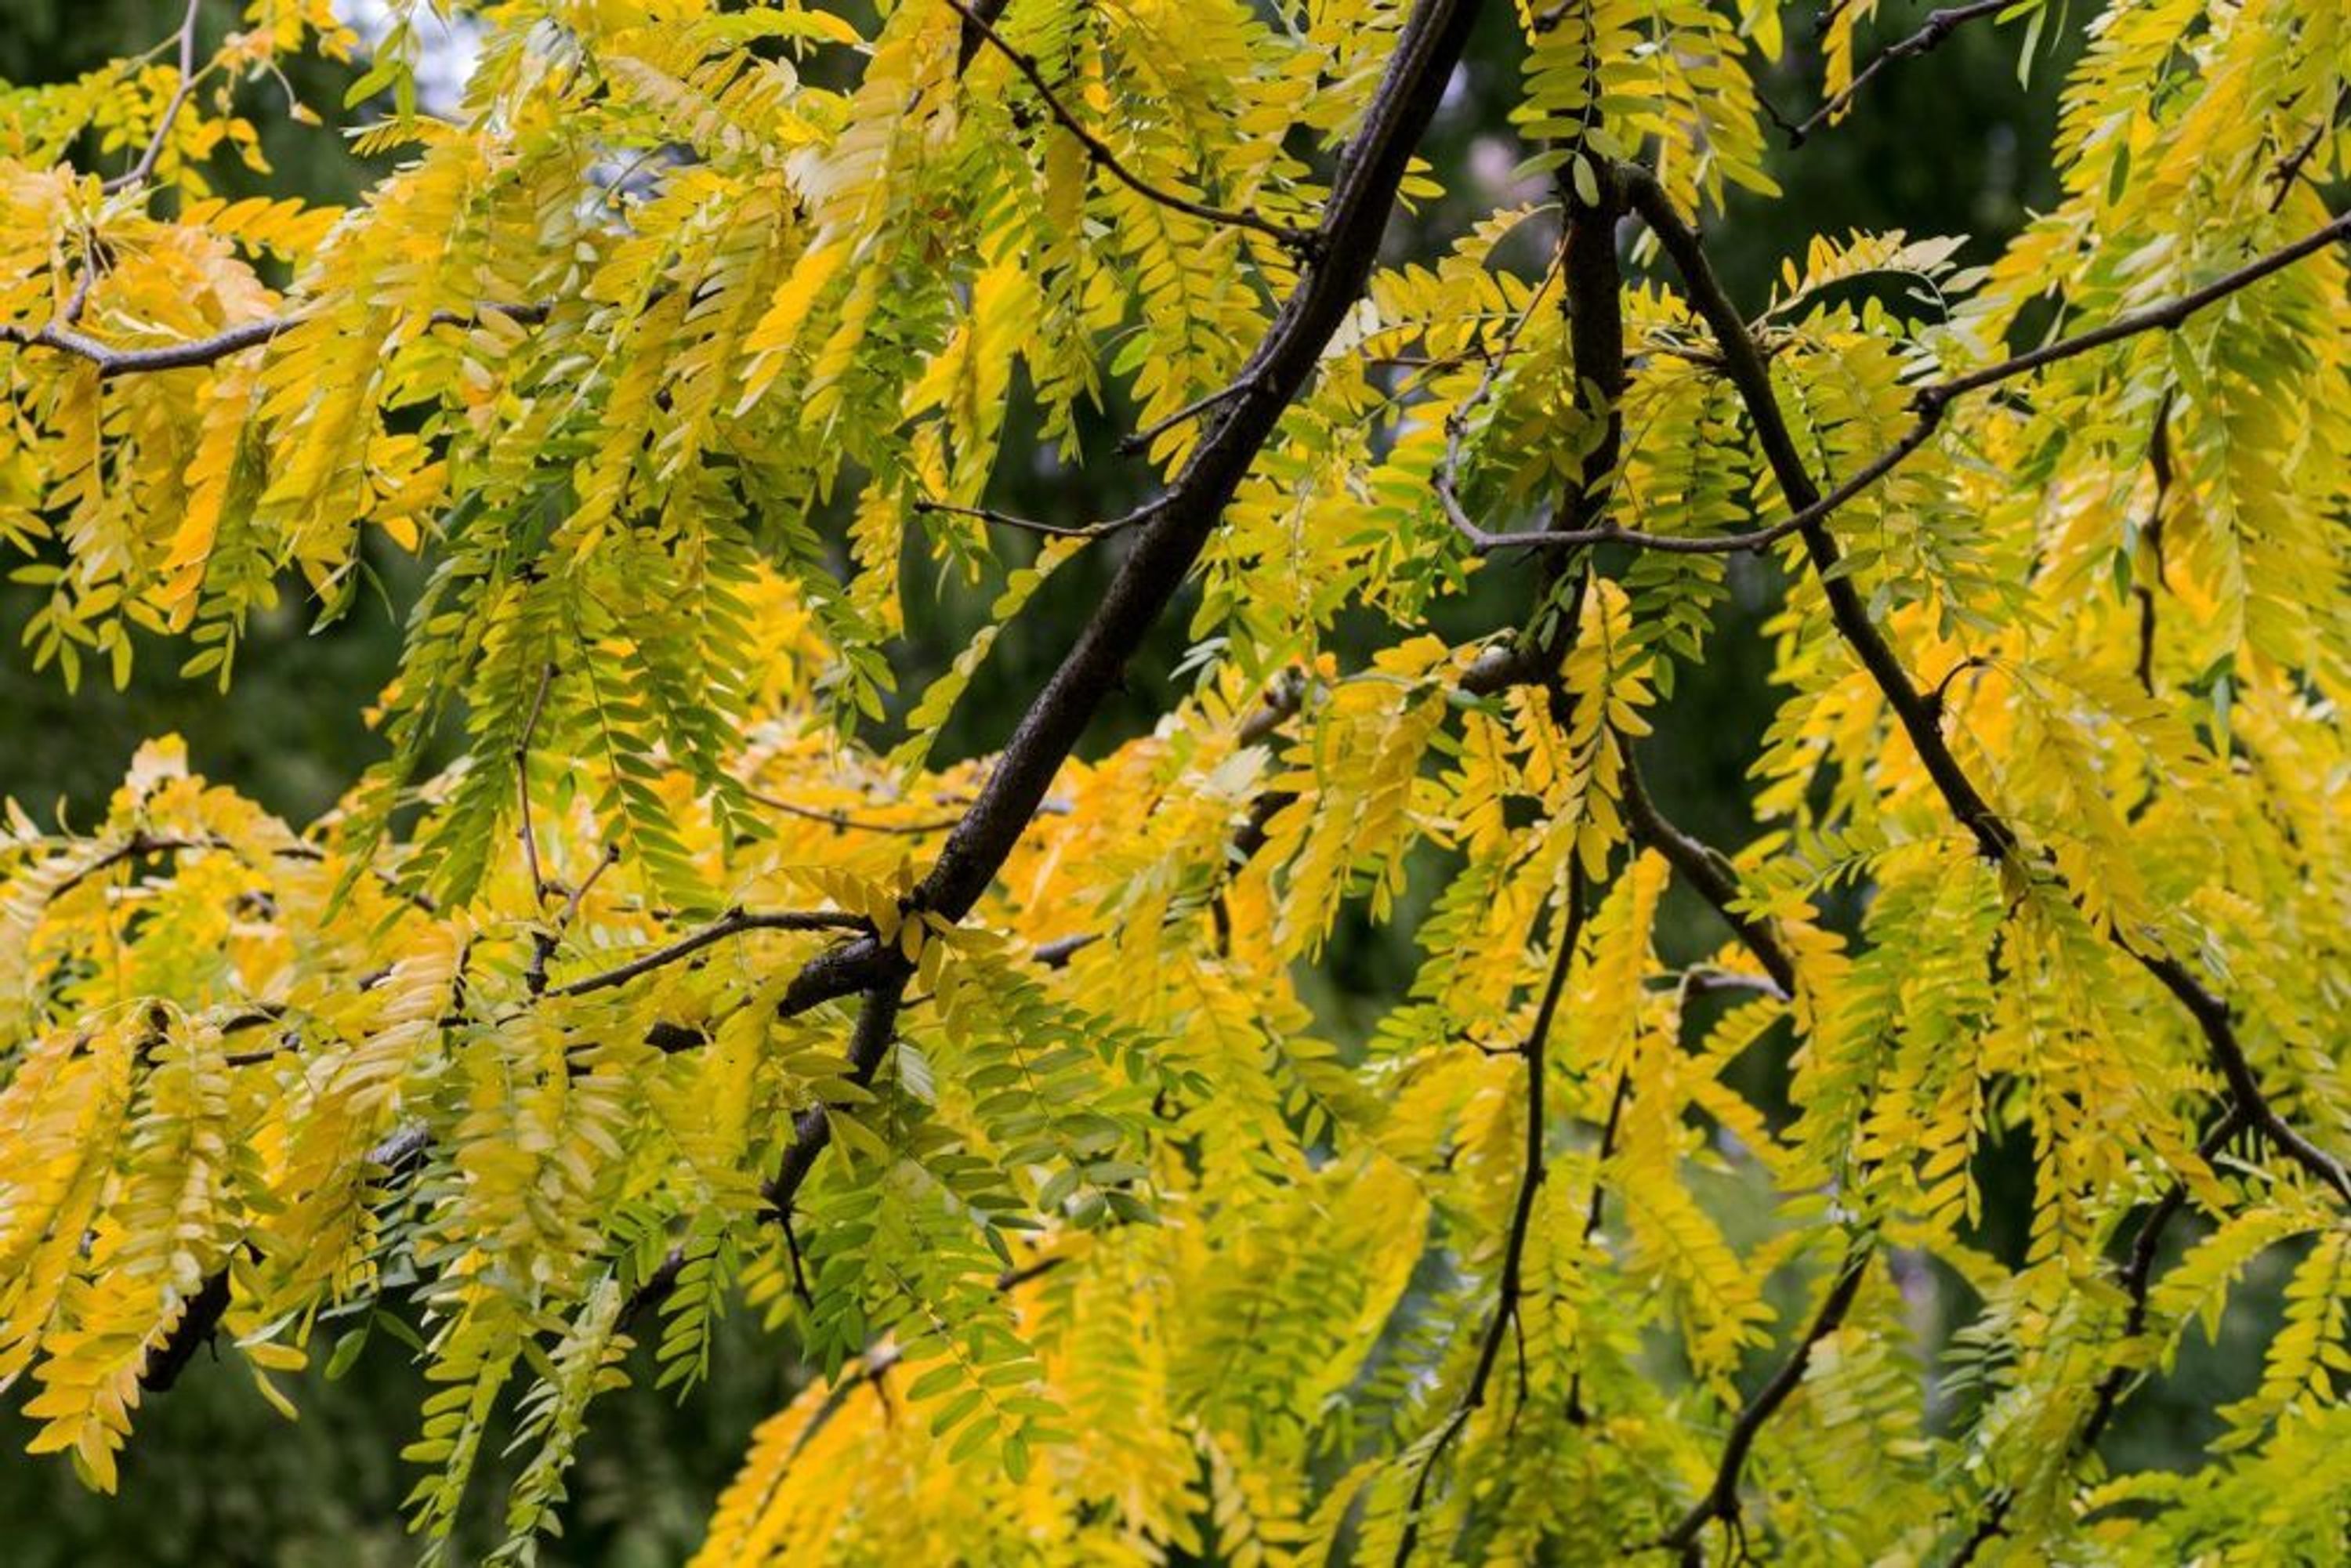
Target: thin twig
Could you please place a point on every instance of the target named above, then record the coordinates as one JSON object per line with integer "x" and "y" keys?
{"x": 1103, "y": 529}
{"x": 1596, "y": 1209}
{"x": 2289, "y": 168}
{"x": 1995, "y": 839}
{"x": 78, "y": 301}
{"x": 1445, "y": 481}
{"x": 539, "y": 888}
{"x": 2159, "y": 459}
{"x": 733, "y": 923}
{"x": 1929, "y": 402}
{"x": 1940, "y": 24}
{"x": 139, "y": 173}
{"x": 1100, "y": 152}
{"x": 1138, "y": 441}
{"x": 1722, "y": 1500}
{"x": 2138, "y": 1274}
{"x": 2137, "y": 1279}
{"x": 544, "y": 942}
{"x": 800, "y": 1265}
{"x": 2165, "y": 314}
{"x": 1514, "y": 1242}
{"x": 195, "y": 353}
{"x": 847, "y": 823}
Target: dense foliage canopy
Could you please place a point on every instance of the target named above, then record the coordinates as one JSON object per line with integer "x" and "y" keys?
{"x": 707, "y": 978}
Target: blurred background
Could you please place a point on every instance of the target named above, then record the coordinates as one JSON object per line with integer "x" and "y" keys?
{"x": 1955, "y": 143}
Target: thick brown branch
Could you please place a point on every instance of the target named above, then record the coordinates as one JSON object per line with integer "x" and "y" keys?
{"x": 1338, "y": 266}
{"x": 1166, "y": 547}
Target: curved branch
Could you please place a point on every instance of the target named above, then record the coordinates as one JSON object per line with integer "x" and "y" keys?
{"x": 2137, "y": 1279}
{"x": 1722, "y": 1500}
{"x": 1099, "y": 151}
{"x": 1940, "y": 24}
{"x": 1812, "y": 506}
{"x": 1913, "y": 709}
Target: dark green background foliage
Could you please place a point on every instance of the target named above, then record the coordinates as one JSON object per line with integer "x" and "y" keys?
{"x": 1955, "y": 143}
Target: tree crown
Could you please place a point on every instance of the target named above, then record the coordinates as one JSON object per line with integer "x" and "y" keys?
{"x": 708, "y": 975}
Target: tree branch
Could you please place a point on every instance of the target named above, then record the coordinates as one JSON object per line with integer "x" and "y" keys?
{"x": 1522, "y": 1211}
{"x": 1102, "y": 529}
{"x": 2289, "y": 168}
{"x": 2163, "y": 316}
{"x": 732, "y": 924}
{"x": 544, "y": 941}
{"x": 523, "y": 829}
{"x": 1339, "y": 265}
{"x": 1931, "y": 401}
{"x": 2139, "y": 1273}
{"x": 1595, "y": 1208}
{"x": 139, "y": 173}
{"x": 1100, "y": 152}
{"x": 168, "y": 1357}
{"x": 1722, "y": 1500}
{"x": 1137, "y": 440}
{"x": 196, "y": 352}
{"x": 1994, "y": 837}
{"x": 2137, "y": 1279}
{"x": 847, "y": 823}
{"x": 1708, "y": 875}
{"x": 2158, "y": 457}
{"x": 877, "y": 1026}
{"x": 1166, "y": 546}
{"x": 1940, "y": 24}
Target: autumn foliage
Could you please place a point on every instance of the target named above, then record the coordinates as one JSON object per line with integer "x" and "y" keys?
{"x": 707, "y": 979}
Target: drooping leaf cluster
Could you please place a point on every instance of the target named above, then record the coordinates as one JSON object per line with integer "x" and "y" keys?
{"x": 993, "y": 1085}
